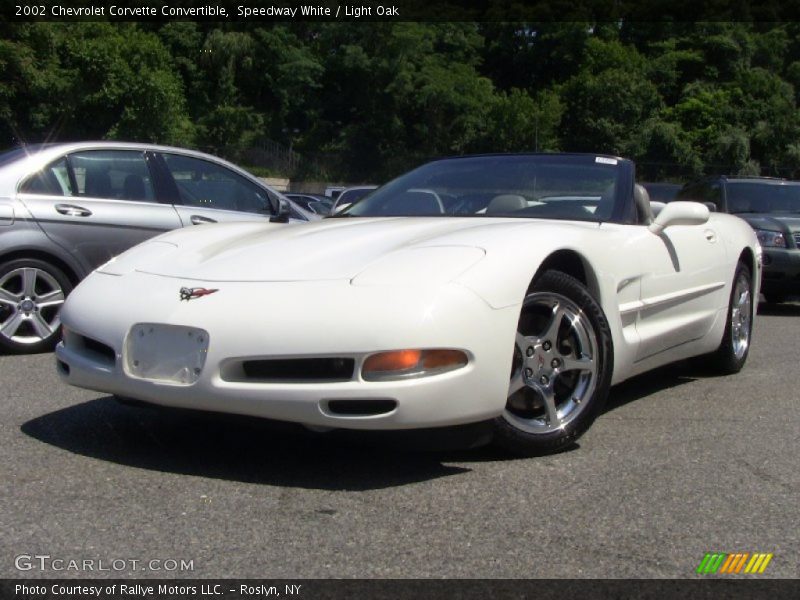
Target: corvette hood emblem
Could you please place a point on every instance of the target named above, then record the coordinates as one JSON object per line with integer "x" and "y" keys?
{"x": 191, "y": 293}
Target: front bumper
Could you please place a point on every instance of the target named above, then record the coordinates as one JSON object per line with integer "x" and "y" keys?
{"x": 781, "y": 271}
{"x": 298, "y": 320}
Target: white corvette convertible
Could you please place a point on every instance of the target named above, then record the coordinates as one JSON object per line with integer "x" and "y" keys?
{"x": 509, "y": 289}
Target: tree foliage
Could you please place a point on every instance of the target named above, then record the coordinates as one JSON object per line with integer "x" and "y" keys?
{"x": 367, "y": 101}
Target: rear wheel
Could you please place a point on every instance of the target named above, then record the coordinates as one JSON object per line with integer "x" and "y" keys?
{"x": 732, "y": 353}
{"x": 561, "y": 369}
{"x": 31, "y": 295}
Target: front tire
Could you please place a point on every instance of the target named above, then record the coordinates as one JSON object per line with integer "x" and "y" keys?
{"x": 732, "y": 353}
{"x": 31, "y": 295}
{"x": 561, "y": 370}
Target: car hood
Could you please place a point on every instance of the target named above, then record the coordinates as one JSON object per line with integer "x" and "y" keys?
{"x": 325, "y": 250}
{"x": 773, "y": 221}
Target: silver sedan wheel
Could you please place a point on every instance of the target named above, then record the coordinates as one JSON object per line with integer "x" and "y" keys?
{"x": 555, "y": 367}
{"x": 30, "y": 301}
{"x": 741, "y": 315}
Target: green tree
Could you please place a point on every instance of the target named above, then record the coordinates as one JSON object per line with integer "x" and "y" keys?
{"x": 520, "y": 123}
{"x": 95, "y": 80}
{"x": 664, "y": 152}
{"x": 608, "y": 100}
{"x": 395, "y": 98}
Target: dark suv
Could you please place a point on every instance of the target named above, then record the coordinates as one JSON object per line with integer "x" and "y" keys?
{"x": 771, "y": 207}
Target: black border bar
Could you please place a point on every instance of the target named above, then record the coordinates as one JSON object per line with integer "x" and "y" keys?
{"x": 355, "y": 11}
{"x": 400, "y": 589}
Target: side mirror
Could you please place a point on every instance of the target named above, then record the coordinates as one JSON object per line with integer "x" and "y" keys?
{"x": 284, "y": 211}
{"x": 679, "y": 213}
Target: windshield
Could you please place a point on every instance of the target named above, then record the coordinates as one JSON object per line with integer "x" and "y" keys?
{"x": 763, "y": 197}
{"x": 553, "y": 186}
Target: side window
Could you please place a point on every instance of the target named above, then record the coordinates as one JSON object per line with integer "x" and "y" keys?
{"x": 114, "y": 174}
{"x": 692, "y": 192}
{"x": 713, "y": 194}
{"x": 703, "y": 192}
{"x": 53, "y": 180}
{"x": 205, "y": 184}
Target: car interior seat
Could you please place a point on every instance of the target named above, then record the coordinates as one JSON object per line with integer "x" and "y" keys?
{"x": 506, "y": 203}
{"x": 133, "y": 188}
{"x": 98, "y": 184}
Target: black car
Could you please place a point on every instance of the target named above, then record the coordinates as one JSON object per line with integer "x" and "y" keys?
{"x": 316, "y": 203}
{"x": 351, "y": 196}
{"x": 772, "y": 207}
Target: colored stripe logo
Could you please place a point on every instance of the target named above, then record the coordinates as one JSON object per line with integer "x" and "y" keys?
{"x": 734, "y": 564}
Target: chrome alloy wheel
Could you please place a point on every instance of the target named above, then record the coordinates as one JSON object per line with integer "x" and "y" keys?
{"x": 555, "y": 367}
{"x": 741, "y": 315}
{"x": 30, "y": 301}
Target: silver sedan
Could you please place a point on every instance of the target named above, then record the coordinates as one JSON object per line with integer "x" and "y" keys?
{"x": 65, "y": 209}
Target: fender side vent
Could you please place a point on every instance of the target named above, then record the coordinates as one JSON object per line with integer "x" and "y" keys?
{"x": 361, "y": 408}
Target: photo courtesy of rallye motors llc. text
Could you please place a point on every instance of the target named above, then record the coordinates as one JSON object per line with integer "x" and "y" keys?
{"x": 124, "y": 589}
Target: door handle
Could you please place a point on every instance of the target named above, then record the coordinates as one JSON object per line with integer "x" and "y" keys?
{"x": 73, "y": 211}
{"x": 198, "y": 220}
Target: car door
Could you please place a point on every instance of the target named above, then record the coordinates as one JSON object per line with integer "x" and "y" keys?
{"x": 97, "y": 203}
{"x": 682, "y": 285}
{"x": 207, "y": 192}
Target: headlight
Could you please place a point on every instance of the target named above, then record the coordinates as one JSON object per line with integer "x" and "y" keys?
{"x": 420, "y": 266}
{"x": 136, "y": 257}
{"x": 770, "y": 239}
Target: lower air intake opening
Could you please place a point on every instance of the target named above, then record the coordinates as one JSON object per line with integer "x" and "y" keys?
{"x": 106, "y": 353}
{"x": 361, "y": 408}
{"x": 299, "y": 369}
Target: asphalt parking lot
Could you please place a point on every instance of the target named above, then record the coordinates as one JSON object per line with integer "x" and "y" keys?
{"x": 682, "y": 463}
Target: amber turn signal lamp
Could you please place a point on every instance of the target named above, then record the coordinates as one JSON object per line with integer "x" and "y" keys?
{"x": 398, "y": 364}
{"x": 398, "y": 360}
{"x": 441, "y": 359}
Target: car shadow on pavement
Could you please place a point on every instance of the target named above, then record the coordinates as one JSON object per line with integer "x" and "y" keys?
{"x": 791, "y": 309}
{"x": 234, "y": 448}
{"x": 260, "y": 451}
{"x": 663, "y": 378}
{"x": 4, "y": 352}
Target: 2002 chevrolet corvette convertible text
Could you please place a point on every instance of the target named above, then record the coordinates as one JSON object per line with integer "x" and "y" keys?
{"x": 512, "y": 289}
